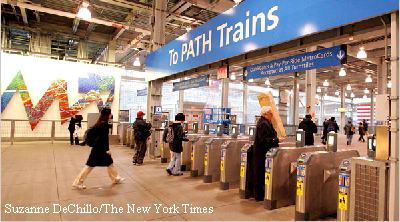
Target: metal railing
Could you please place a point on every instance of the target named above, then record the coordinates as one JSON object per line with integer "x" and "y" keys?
{"x": 47, "y": 130}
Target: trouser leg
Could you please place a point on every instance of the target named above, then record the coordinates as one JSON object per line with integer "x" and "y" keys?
{"x": 178, "y": 162}
{"x": 142, "y": 151}
{"x": 172, "y": 162}
{"x": 137, "y": 151}
{"x": 71, "y": 137}
{"x": 83, "y": 175}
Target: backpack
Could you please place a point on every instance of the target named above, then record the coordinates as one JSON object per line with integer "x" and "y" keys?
{"x": 90, "y": 137}
{"x": 331, "y": 127}
{"x": 170, "y": 135}
{"x": 353, "y": 129}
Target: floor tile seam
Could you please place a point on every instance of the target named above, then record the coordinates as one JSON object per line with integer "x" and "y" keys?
{"x": 55, "y": 171}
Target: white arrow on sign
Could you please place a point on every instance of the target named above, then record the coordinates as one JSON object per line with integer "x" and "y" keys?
{"x": 341, "y": 54}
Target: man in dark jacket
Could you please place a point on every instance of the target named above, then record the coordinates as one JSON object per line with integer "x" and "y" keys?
{"x": 71, "y": 129}
{"x": 265, "y": 139}
{"x": 141, "y": 133}
{"x": 309, "y": 128}
{"x": 175, "y": 131}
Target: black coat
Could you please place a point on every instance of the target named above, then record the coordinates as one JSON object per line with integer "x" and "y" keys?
{"x": 142, "y": 129}
{"x": 71, "y": 126}
{"x": 179, "y": 137}
{"x": 309, "y": 128}
{"x": 265, "y": 139}
{"x": 98, "y": 155}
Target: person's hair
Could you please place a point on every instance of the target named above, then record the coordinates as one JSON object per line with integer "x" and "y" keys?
{"x": 265, "y": 109}
{"x": 104, "y": 116}
{"x": 332, "y": 118}
{"x": 180, "y": 117}
{"x": 308, "y": 116}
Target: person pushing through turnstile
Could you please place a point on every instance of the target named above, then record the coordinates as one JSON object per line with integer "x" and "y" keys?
{"x": 265, "y": 139}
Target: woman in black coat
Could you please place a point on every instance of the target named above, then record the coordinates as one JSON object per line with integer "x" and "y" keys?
{"x": 100, "y": 154}
{"x": 265, "y": 139}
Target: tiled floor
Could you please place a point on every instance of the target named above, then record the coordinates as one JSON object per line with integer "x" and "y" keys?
{"x": 40, "y": 174}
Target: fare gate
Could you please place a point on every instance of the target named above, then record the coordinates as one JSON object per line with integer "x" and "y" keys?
{"x": 280, "y": 175}
{"x": 230, "y": 163}
{"x": 317, "y": 183}
{"x": 197, "y": 155}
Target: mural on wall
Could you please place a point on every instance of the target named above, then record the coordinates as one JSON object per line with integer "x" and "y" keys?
{"x": 90, "y": 88}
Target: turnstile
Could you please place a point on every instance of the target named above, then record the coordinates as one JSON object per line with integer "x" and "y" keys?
{"x": 212, "y": 157}
{"x": 280, "y": 175}
{"x": 246, "y": 168}
{"x": 129, "y": 133}
{"x": 122, "y": 132}
{"x": 230, "y": 162}
{"x": 343, "y": 207}
{"x": 245, "y": 174}
{"x": 187, "y": 151}
{"x": 165, "y": 152}
{"x": 317, "y": 183}
{"x": 197, "y": 155}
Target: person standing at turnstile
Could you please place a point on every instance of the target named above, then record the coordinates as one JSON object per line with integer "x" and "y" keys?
{"x": 265, "y": 139}
{"x": 309, "y": 128}
{"x": 142, "y": 133}
{"x": 174, "y": 135}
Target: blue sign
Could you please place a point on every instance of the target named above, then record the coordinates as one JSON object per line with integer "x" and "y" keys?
{"x": 191, "y": 83}
{"x": 157, "y": 109}
{"x": 311, "y": 60}
{"x": 142, "y": 92}
{"x": 256, "y": 24}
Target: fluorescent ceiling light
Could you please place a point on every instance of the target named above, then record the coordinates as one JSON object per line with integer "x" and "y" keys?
{"x": 251, "y": 80}
{"x": 342, "y": 72}
{"x": 233, "y": 76}
{"x": 337, "y": 93}
{"x": 267, "y": 82}
{"x": 188, "y": 29}
{"x": 362, "y": 54}
{"x": 237, "y": 1}
{"x": 366, "y": 91}
{"x": 84, "y": 12}
{"x": 326, "y": 83}
{"x": 389, "y": 84}
{"x": 352, "y": 95}
{"x": 319, "y": 90}
{"x": 348, "y": 87}
{"x": 368, "y": 79}
{"x": 365, "y": 96}
{"x": 136, "y": 62}
{"x": 345, "y": 94}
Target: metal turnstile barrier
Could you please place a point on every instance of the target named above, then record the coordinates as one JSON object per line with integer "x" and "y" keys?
{"x": 128, "y": 136}
{"x": 280, "y": 175}
{"x": 344, "y": 190}
{"x": 122, "y": 132}
{"x": 197, "y": 155}
{"x": 369, "y": 190}
{"x": 317, "y": 183}
{"x": 187, "y": 152}
{"x": 230, "y": 163}
{"x": 165, "y": 152}
{"x": 212, "y": 157}
{"x": 245, "y": 176}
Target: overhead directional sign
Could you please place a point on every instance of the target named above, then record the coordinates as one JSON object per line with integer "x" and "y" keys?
{"x": 191, "y": 83}
{"x": 311, "y": 60}
{"x": 256, "y": 24}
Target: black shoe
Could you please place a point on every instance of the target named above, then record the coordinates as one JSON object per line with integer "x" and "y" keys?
{"x": 169, "y": 172}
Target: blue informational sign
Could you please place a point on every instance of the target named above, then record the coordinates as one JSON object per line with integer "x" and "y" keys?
{"x": 157, "y": 109}
{"x": 311, "y": 60}
{"x": 256, "y": 24}
{"x": 142, "y": 92}
{"x": 191, "y": 83}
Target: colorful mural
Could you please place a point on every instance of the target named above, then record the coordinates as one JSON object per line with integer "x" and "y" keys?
{"x": 91, "y": 88}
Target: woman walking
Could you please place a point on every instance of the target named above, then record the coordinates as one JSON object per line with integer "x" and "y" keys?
{"x": 100, "y": 154}
{"x": 361, "y": 131}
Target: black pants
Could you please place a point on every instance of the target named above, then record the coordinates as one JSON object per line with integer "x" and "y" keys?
{"x": 71, "y": 137}
{"x": 141, "y": 148}
{"x": 361, "y": 138}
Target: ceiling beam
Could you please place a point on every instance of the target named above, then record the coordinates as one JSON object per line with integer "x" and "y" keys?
{"x": 24, "y": 15}
{"x": 218, "y": 6}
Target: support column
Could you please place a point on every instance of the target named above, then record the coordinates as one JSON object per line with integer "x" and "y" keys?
{"x": 245, "y": 97}
{"x": 311, "y": 88}
{"x": 382, "y": 77}
{"x": 158, "y": 24}
{"x": 112, "y": 46}
{"x": 181, "y": 100}
{"x": 321, "y": 114}
{"x": 296, "y": 97}
{"x": 225, "y": 93}
{"x": 394, "y": 129}
{"x": 372, "y": 112}
{"x": 283, "y": 105}
{"x": 342, "y": 105}
{"x": 82, "y": 50}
